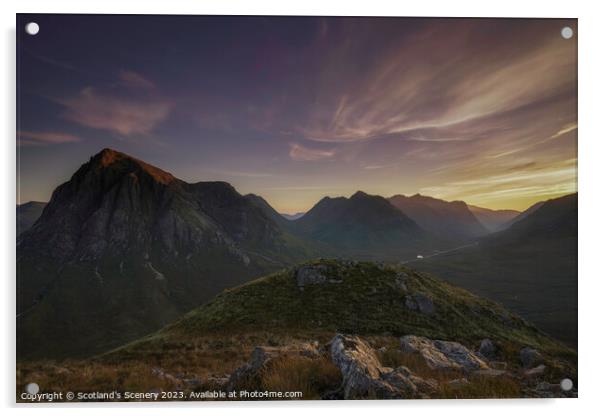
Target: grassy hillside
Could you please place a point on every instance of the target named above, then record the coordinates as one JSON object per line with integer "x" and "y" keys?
{"x": 361, "y": 298}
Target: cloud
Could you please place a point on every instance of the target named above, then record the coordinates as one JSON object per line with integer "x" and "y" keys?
{"x": 42, "y": 138}
{"x": 301, "y": 153}
{"x": 131, "y": 79}
{"x": 121, "y": 114}
{"x": 419, "y": 82}
{"x": 564, "y": 130}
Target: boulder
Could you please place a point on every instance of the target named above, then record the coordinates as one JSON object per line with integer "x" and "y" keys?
{"x": 363, "y": 375}
{"x": 446, "y": 355}
{"x": 487, "y": 349}
{"x": 311, "y": 275}
{"x": 535, "y": 372}
{"x": 421, "y": 303}
{"x": 458, "y": 383}
{"x": 530, "y": 357}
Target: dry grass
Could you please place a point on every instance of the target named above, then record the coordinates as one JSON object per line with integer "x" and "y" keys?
{"x": 313, "y": 377}
{"x": 213, "y": 357}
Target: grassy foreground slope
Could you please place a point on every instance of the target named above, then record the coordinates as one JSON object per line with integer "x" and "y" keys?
{"x": 362, "y": 298}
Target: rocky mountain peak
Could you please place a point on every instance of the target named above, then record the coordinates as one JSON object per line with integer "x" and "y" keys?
{"x": 125, "y": 164}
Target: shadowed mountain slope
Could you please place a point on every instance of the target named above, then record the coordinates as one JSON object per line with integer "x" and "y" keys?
{"x": 530, "y": 267}
{"x": 451, "y": 220}
{"x": 27, "y": 214}
{"x": 493, "y": 219}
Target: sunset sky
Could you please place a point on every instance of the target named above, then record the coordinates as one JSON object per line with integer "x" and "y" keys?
{"x": 295, "y": 109}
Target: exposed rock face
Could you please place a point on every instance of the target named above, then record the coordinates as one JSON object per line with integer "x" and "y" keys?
{"x": 530, "y": 357}
{"x": 443, "y": 354}
{"x": 363, "y": 375}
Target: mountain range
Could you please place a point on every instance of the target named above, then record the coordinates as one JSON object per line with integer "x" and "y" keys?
{"x": 124, "y": 248}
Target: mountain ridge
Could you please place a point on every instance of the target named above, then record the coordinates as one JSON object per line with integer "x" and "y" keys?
{"x": 448, "y": 219}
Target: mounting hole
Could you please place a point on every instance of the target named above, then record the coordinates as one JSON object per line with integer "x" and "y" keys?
{"x": 32, "y": 28}
{"x": 566, "y": 32}
{"x": 32, "y": 388}
{"x": 566, "y": 384}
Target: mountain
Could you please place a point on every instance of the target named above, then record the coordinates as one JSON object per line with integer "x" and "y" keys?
{"x": 293, "y": 217}
{"x": 124, "y": 248}
{"x": 451, "y": 220}
{"x": 27, "y": 214}
{"x": 493, "y": 219}
{"x": 530, "y": 267}
{"x": 524, "y": 214}
{"x": 365, "y": 226}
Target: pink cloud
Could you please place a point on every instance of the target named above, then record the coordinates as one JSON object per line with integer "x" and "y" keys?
{"x": 133, "y": 79}
{"x": 300, "y": 153}
{"x": 106, "y": 111}
{"x": 33, "y": 138}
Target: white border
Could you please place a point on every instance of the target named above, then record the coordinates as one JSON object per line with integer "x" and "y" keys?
{"x": 590, "y": 186}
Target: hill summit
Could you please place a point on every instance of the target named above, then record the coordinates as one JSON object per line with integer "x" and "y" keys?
{"x": 363, "y": 298}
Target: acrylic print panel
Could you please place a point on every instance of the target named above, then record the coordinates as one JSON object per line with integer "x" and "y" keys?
{"x": 295, "y": 208}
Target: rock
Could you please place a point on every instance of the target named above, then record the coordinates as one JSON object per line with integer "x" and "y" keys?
{"x": 549, "y": 390}
{"x": 400, "y": 281}
{"x": 530, "y": 357}
{"x": 411, "y": 303}
{"x": 498, "y": 365}
{"x": 443, "y": 354}
{"x": 421, "y": 303}
{"x": 458, "y": 383}
{"x": 488, "y": 349}
{"x": 166, "y": 376}
{"x": 535, "y": 372}
{"x": 262, "y": 356}
{"x": 311, "y": 275}
{"x": 489, "y": 372}
{"x": 363, "y": 375}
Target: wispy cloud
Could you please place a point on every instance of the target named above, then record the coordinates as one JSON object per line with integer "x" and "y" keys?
{"x": 42, "y": 138}
{"x": 131, "y": 79}
{"x": 120, "y": 114}
{"x": 301, "y": 153}
{"x": 566, "y": 129}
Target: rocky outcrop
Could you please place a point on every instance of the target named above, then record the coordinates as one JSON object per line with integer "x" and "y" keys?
{"x": 313, "y": 275}
{"x": 443, "y": 355}
{"x": 487, "y": 349}
{"x": 364, "y": 376}
{"x": 530, "y": 357}
{"x": 421, "y": 303}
